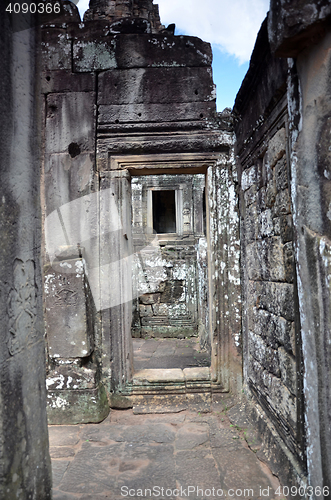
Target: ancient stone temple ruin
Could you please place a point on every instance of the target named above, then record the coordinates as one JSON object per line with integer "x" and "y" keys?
{"x": 162, "y": 218}
{"x": 139, "y": 200}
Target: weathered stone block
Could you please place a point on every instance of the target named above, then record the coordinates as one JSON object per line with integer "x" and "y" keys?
{"x": 265, "y": 355}
{"x": 277, "y": 298}
{"x": 251, "y": 176}
{"x": 251, "y": 224}
{"x": 276, "y": 147}
{"x": 250, "y": 195}
{"x": 266, "y": 223}
{"x": 180, "y": 271}
{"x": 281, "y": 174}
{"x": 271, "y": 193}
{"x": 145, "y": 310}
{"x": 289, "y": 262}
{"x": 178, "y": 310}
{"x": 288, "y": 371}
{"x": 290, "y": 23}
{"x": 67, "y": 330}
{"x": 140, "y": 113}
{"x": 66, "y": 179}
{"x": 141, "y": 51}
{"x": 280, "y": 398}
{"x": 272, "y": 259}
{"x": 174, "y": 290}
{"x": 180, "y": 143}
{"x": 277, "y": 227}
{"x": 136, "y": 333}
{"x": 256, "y": 370}
{"x": 266, "y": 260}
{"x": 66, "y": 81}
{"x": 160, "y": 309}
{"x": 282, "y": 204}
{"x": 286, "y": 228}
{"x": 94, "y": 55}
{"x": 168, "y": 332}
{"x": 71, "y": 377}
{"x": 55, "y": 49}
{"x": 274, "y": 329}
{"x": 67, "y": 407}
{"x": 253, "y": 264}
{"x": 253, "y": 295}
{"x": 155, "y": 85}
{"x": 149, "y": 298}
{"x": 261, "y": 199}
{"x": 69, "y": 121}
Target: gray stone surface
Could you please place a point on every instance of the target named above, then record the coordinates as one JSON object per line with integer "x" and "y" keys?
{"x": 70, "y": 119}
{"x": 155, "y": 85}
{"x": 169, "y": 353}
{"x": 270, "y": 330}
{"x": 25, "y": 470}
{"x": 67, "y": 325}
{"x": 171, "y": 451}
{"x": 293, "y": 26}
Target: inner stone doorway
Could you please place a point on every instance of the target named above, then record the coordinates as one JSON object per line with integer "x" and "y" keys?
{"x": 169, "y": 353}
{"x": 170, "y": 307}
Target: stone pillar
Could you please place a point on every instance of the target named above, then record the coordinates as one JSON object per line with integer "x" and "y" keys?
{"x": 25, "y": 471}
{"x": 115, "y": 278}
{"x": 224, "y": 277}
{"x": 310, "y": 105}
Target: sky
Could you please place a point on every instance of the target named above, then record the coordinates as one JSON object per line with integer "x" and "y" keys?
{"x": 230, "y": 26}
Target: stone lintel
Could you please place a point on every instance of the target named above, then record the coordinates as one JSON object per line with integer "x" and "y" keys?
{"x": 146, "y": 377}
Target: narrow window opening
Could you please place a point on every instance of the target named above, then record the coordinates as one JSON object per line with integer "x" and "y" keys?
{"x": 164, "y": 211}
{"x": 204, "y": 212}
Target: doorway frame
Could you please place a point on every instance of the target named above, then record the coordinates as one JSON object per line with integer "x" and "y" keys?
{"x": 223, "y": 252}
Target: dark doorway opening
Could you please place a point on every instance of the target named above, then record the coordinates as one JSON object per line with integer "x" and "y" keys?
{"x": 164, "y": 211}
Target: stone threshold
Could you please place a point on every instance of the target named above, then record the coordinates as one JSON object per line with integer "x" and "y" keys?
{"x": 171, "y": 381}
{"x": 171, "y": 375}
{"x": 168, "y": 390}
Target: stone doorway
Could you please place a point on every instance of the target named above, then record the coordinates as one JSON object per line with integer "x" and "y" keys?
{"x": 221, "y": 232}
{"x": 170, "y": 296}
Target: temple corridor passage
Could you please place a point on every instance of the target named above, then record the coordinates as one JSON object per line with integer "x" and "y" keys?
{"x": 168, "y": 353}
{"x": 188, "y": 454}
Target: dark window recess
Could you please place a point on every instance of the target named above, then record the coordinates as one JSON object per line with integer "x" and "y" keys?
{"x": 204, "y": 212}
{"x": 164, "y": 211}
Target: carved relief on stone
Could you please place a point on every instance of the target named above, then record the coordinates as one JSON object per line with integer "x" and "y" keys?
{"x": 66, "y": 297}
{"x": 21, "y": 307}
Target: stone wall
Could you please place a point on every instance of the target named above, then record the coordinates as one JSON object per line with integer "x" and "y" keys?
{"x": 282, "y": 111}
{"x": 309, "y": 130}
{"x": 25, "y": 469}
{"x": 166, "y": 278}
{"x": 124, "y": 98}
{"x": 271, "y": 329}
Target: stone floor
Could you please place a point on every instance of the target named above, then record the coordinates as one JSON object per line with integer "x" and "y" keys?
{"x": 168, "y": 353}
{"x": 181, "y": 455}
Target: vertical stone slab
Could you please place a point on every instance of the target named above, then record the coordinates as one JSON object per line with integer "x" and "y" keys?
{"x": 24, "y": 458}
{"x": 67, "y": 324}
{"x": 310, "y": 107}
{"x": 224, "y": 277}
{"x": 115, "y": 274}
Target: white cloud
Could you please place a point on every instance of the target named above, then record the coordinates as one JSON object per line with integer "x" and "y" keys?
{"x": 82, "y": 6}
{"x": 230, "y": 25}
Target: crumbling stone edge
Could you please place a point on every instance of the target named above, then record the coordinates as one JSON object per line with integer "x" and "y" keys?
{"x": 262, "y": 438}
